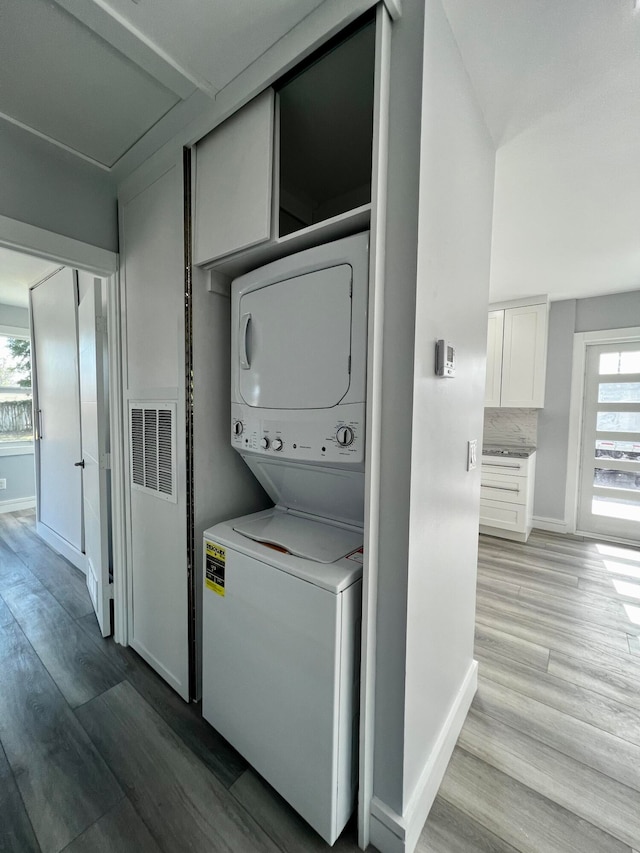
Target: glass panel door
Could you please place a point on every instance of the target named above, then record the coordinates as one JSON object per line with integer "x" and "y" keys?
{"x": 609, "y": 495}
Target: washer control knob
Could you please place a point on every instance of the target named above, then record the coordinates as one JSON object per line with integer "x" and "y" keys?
{"x": 264, "y": 443}
{"x": 344, "y": 436}
{"x": 276, "y": 444}
{"x": 238, "y": 428}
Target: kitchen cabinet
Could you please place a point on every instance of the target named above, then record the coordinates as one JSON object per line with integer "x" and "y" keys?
{"x": 517, "y": 356}
{"x": 294, "y": 160}
{"x": 506, "y": 496}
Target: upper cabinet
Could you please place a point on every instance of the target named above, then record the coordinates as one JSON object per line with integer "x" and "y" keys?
{"x": 294, "y": 160}
{"x": 517, "y": 355}
{"x": 234, "y": 168}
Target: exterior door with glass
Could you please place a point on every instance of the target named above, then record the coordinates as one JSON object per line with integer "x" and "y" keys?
{"x": 609, "y": 491}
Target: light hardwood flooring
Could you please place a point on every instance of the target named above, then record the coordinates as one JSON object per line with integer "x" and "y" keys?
{"x": 98, "y": 754}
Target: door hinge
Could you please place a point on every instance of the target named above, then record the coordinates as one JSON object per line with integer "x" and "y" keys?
{"x": 105, "y": 462}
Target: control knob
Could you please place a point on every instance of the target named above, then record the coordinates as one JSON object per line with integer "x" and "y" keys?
{"x": 276, "y": 444}
{"x": 264, "y": 443}
{"x": 344, "y": 436}
{"x": 238, "y": 428}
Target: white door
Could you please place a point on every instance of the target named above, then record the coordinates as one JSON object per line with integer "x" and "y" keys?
{"x": 54, "y": 318}
{"x": 94, "y": 449}
{"x": 609, "y": 495}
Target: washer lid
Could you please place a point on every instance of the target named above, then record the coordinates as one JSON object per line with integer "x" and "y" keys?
{"x": 302, "y": 537}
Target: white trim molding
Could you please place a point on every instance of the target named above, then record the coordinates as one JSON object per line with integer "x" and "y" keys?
{"x": 56, "y": 247}
{"x": 552, "y": 525}
{"x": 14, "y": 332}
{"x": 18, "y": 503}
{"x": 581, "y": 340}
{"x": 16, "y": 448}
{"x": 63, "y": 547}
{"x": 396, "y": 833}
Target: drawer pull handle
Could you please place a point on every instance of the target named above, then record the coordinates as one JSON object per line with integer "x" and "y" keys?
{"x": 498, "y": 465}
{"x": 501, "y": 488}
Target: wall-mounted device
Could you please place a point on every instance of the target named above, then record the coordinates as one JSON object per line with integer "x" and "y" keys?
{"x": 445, "y": 358}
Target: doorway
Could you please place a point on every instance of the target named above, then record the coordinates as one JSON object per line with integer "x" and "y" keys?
{"x": 62, "y": 251}
{"x": 608, "y": 497}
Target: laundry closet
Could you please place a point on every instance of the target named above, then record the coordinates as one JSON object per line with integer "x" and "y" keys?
{"x": 282, "y": 188}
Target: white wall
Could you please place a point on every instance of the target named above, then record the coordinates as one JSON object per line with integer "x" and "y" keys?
{"x": 429, "y": 502}
{"x": 566, "y": 199}
{"x": 50, "y": 188}
{"x": 224, "y": 487}
{"x": 615, "y": 311}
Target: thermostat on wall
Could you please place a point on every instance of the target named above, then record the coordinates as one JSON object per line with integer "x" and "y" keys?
{"x": 445, "y": 358}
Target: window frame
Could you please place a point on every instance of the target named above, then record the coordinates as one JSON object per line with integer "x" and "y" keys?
{"x": 17, "y": 448}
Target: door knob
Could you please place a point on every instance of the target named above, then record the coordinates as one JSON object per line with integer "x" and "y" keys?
{"x": 79, "y": 464}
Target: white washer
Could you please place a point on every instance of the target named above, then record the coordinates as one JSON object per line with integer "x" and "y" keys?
{"x": 281, "y": 637}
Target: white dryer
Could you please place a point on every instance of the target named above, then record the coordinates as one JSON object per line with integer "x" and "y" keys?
{"x": 298, "y": 377}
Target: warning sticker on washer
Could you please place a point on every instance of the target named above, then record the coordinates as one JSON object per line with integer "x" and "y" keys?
{"x": 216, "y": 559}
{"x": 357, "y": 556}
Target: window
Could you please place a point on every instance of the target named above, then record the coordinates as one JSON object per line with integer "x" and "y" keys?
{"x": 16, "y": 410}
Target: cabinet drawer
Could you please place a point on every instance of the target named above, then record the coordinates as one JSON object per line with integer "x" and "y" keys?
{"x": 503, "y": 515}
{"x": 503, "y": 487}
{"x": 502, "y": 465}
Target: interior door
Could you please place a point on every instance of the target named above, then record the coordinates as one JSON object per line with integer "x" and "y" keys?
{"x": 94, "y": 449}
{"x": 609, "y": 496}
{"x": 55, "y": 330}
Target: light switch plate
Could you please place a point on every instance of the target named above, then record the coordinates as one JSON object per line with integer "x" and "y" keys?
{"x": 472, "y": 451}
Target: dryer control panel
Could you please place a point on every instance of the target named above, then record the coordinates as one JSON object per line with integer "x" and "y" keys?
{"x": 334, "y": 436}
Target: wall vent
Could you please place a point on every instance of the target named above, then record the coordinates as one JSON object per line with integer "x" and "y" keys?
{"x": 153, "y": 448}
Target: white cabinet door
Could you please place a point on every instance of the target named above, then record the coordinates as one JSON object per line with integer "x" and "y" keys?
{"x": 524, "y": 356}
{"x": 494, "y": 358}
{"x": 54, "y": 313}
{"x": 234, "y": 182}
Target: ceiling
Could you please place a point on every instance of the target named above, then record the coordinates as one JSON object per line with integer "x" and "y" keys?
{"x": 558, "y": 82}
{"x": 17, "y": 273}
{"x": 93, "y": 77}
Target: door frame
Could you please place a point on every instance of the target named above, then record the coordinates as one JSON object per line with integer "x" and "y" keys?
{"x": 22, "y": 237}
{"x": 581, "y": 340}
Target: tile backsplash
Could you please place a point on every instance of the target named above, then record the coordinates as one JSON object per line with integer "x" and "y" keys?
{"x": 511, "y": 426}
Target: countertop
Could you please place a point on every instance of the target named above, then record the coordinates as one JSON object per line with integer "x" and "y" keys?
{"x": 510, "y": 451}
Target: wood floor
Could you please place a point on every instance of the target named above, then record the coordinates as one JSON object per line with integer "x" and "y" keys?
{"x": 98, "y": 754}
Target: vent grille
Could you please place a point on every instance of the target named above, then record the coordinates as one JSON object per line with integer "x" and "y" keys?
{"x": 153, "y": 449}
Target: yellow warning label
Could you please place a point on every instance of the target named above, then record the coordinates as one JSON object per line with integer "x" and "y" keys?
{"x": 215, "y": 565}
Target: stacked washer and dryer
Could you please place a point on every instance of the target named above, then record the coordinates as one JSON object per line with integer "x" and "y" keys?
{"x": 282, "y": 596}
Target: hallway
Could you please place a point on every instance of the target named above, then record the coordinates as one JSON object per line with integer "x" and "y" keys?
{"x": 98, "y": 754}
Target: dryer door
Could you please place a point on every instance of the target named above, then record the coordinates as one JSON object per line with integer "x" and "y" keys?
{"x": 294, "y": 341}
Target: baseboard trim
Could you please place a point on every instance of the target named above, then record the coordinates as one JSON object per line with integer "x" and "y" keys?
{"x": 553, "y": 525}
{"x": 18, "y": 503}
{"x": 77, "y": 558}
{"x": 394, "y": 833}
